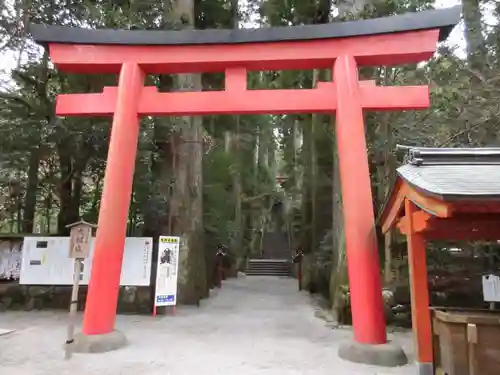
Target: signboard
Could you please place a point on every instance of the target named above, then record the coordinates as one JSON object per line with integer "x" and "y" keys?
{"x": 166, "y": 271}
{"x": 10, "y": 259}
{"x": 79, "y": 240}
{"x": 491, "y": 288}
{"x": 45, "y": 261}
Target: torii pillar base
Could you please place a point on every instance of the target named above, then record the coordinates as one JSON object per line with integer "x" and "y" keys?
{"x": 98, "y": 343}
{"x": 386, "y": 355}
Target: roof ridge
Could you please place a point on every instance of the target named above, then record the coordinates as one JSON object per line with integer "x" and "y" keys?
{"x": 419, "y": 156}
{"x": 454, "y": 181}
{"x": 444, "y": 19}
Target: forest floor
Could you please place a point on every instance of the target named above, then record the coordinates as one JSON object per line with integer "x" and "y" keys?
{"x": 252, "y": 326}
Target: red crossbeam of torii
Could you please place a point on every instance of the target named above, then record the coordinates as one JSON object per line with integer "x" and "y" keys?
{"x": 236, "y": 98}
{"x": 392, "y": 41}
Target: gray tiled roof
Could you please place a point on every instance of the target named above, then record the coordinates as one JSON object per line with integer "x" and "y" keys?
{"x": 454, "y": 173}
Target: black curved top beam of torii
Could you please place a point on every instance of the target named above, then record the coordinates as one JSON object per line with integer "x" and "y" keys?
{"x": 442, "y": 19}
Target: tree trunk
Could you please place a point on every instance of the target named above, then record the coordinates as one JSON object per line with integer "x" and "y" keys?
{"x": 31, "y": 191}
{"x": 385, "y": 180}
{"x": 35, "y": 154}
{"x": 314, "y": 170}
{"x": 48, "y": 211}
{"x": 338, "y": 276}
{"x": 94, "y": 208}
{"x": 237, "y": 245}
{"x": 65, "y": 193}
{"x": 473, "y": 33}
{"x": 70, "y": 187}
{"x": 188, "y": 189}
{"x": 306, "y": 208}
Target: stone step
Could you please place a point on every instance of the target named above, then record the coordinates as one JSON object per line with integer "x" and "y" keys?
{"x": 277, "y": 266}
{"x": 275, "y": 245}
{"x": 274, "y": 274}
{"x": 269, "y": 267}
{"x": 288, "y": 270}
{"x": 267, "y": 272}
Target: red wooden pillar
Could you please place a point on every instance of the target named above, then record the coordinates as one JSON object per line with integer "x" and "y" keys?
{"x": 421, "y": 318}
{"x": 299, "y": 274}
{"x": 359, "y": 223}
{"x": 100, "y": 309}
{"x": 219, "y": 272}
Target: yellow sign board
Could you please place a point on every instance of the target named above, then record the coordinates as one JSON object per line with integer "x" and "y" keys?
{"x": 169, "y": 240}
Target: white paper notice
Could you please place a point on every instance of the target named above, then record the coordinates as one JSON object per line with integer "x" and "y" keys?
{"x": 166, "y": 271}
{"x": 491, "y": 288}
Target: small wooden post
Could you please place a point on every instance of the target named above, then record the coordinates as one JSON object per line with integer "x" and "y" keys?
{"x": 300, "y": 275}
{"x": 219, "y": 273}
{"x": 79, "y": 248}
{"x": 220, "y": 265}
{"x": 472, "y": 345}
{"x": 297, "y": 259}
{"x": 73, "y": 308}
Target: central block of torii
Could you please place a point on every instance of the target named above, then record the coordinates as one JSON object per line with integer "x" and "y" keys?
{"x": 343, "y": 47}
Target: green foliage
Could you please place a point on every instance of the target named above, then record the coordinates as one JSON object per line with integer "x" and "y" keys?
{"x": 218, "y": 198}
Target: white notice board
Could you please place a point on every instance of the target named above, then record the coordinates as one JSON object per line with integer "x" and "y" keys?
{"x": 491, "y": 288}
{"x": 166, "y": 271}
{"x": 45, "y": 261}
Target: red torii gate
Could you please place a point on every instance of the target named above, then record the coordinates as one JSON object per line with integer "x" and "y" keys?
{"x": 344, "y": 47}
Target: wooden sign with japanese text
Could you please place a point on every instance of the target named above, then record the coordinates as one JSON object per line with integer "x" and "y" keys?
{"x": 79, "y": 240}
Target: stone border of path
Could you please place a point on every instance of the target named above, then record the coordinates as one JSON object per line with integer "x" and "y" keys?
{"x": 322, "y": 312}
{"x": 387, "y": 355}
{"x": 5, "y": 332}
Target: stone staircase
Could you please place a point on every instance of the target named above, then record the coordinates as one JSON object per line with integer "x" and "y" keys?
{"x": 275, "y": 259}
{"x": 269, "y": 267}
{"x": 275, "y": 246}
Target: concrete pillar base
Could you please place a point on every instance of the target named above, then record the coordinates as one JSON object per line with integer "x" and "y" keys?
{"x": 387, "y": 355}
{"x": 425, "y": 368}
{"x": 98, "y": 343}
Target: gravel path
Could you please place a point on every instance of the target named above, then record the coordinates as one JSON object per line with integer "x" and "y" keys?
{"x": 254, "y": 325}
